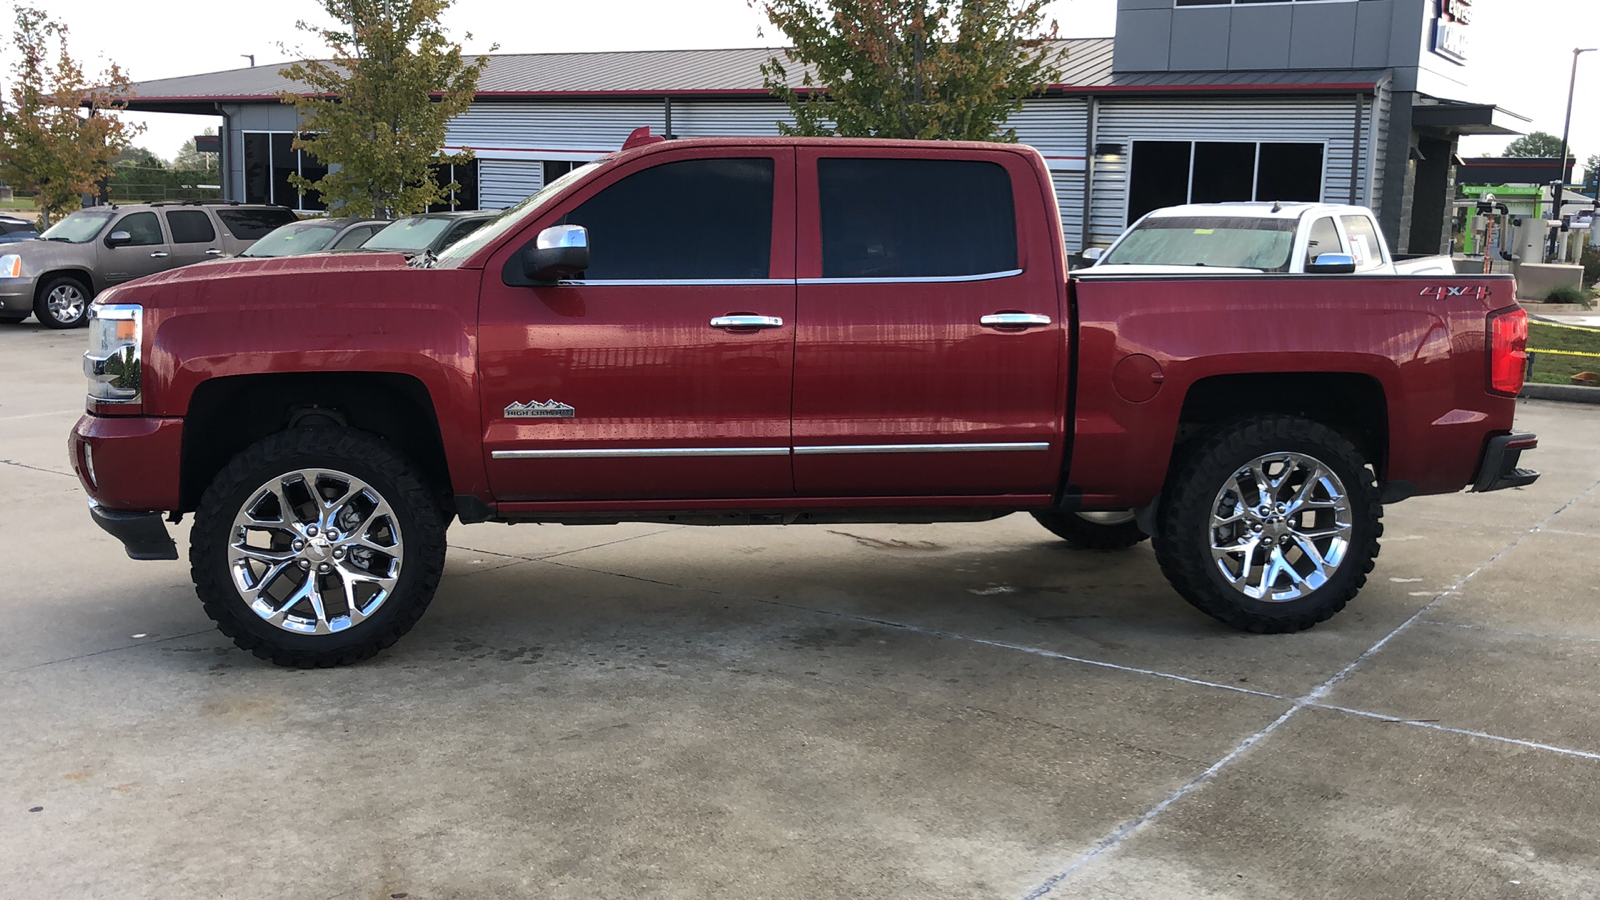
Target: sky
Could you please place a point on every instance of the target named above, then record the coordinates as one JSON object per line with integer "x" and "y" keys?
{"x": 1521, "y": 50}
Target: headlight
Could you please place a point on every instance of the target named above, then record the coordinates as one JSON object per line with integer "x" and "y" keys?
{"x": 112, "y": 361}
{"x": 10, "y": 266}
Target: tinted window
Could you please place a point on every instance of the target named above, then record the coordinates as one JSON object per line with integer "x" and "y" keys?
{"x": 250, "y": 224}
{"x": 701, "y": 218}
{"x": 142, "y": 227}
{"x": 257, "y": 168}
{"x": 913, "y": 218}
{"x": 1324, "y": 239}
{"x": 355, "y": 237}
{"x": 1364, "y": 243}
{"x": 190, "y": 226}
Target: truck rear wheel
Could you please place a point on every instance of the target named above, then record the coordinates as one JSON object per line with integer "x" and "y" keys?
{"x": 1093, "y": 530}
{"x": 317, "y": 547}
{"x": 1271, "y": 525}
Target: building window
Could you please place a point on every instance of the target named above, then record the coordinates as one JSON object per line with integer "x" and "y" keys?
{"x": 269, "y": 160}
{"x": 465, "y": 177}
{"x": 1170, "y": 173}
{"x": 554, "y": 169}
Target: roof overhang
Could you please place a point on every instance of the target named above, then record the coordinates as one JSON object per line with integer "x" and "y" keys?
{"x": 1467, "y": 118}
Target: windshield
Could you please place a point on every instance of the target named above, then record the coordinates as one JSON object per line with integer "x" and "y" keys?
{"x": 293, "y": 240}
{"x": 415, "y": 233}
{"x": 79, "y": 227}
{"x": 509, "y": 219}
{"x": 1229, "y": 242}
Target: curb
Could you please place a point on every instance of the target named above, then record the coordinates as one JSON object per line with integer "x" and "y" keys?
{"x": 1569, "y": 393}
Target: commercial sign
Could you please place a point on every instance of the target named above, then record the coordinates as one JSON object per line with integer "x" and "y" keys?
{"x": 1450, "y": 30}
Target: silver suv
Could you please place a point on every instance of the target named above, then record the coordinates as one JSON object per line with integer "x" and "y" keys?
{"x": 55, "y": 276}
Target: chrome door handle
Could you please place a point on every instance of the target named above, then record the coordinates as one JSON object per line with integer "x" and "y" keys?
{"x": 213, "y": 252}
{"x": 1013, "y": 320}
{"x": 747, "y": 322}
{"x": 159, "y": 254}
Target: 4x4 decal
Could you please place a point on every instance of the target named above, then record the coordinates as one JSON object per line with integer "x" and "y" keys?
{"x": 1439, "y": 292}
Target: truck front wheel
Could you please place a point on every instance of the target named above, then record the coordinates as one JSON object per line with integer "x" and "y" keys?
{"x": 317, "y": 547}
{"x": 1093, "y": 530}
{"x": 1271, "y": 525}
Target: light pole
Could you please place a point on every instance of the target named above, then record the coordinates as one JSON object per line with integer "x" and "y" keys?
{"x": 1560, "y": 185}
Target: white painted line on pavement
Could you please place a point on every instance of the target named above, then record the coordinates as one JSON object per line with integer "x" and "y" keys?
{"x": 59, "y": 412}
{"x": 1565, "y": 751}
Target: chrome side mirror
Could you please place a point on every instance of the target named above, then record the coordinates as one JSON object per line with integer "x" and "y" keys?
{"x": 560, "y": 251}
{"x": 1092, "y": 255}
{"x": 118, "y": 239}
{"x": 1332, "y": 264}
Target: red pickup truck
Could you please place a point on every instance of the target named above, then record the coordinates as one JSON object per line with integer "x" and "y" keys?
{"x": 772, "y": 331}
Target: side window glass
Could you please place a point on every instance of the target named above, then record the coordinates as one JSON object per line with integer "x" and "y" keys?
{"x": 915, "y": 218}
{"x": 1364, "y": 243}
{"x": 699, "y": 218}
{"x": 355, "y": 237}
{"x": 1324, "y": 239}
{"x": 190, "y": 226}
{"x": 142, "y": 227}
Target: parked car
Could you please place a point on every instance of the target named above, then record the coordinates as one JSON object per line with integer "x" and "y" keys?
{"x": 856, "y": 330}
{"x": 88, "y": 251}
{"x": 1275, "y": 238}
{"x": 14, "y": 229}
{"x": 427, "y": 233}
{"x": 315, "y": 235}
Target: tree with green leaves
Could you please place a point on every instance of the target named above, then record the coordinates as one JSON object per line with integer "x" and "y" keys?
{"x": 190, "y": 159}
{"x": 378, "y": 110}
{"x": 61, "y": 131}
{"x": 925, "y": 69}
{"x": 1538, "y": 144}
{"x": 1591, "y": 173}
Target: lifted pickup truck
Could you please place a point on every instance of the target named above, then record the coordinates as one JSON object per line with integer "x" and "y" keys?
{"x": 767, "y": 331}
{"x": 1274, "y": 238}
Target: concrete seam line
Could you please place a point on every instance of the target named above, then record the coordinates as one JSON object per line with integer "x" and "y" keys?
{"x": 52, "y": 662}
{"x": 59, "y": 412}
{"x": 1573, "y": 639}
{"x": 1535, "y": 745}
{"x": 1311, "y": 698}
{"x": 12, "y": 462}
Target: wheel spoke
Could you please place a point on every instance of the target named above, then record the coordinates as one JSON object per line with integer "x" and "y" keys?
{"x": 264, "y": 555}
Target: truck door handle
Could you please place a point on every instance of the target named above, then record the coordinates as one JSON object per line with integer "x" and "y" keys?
{"x": 1013, "y": 320}
{"x": 213, "y": 252}
{"x": 159, "y": 254}
{"x": 746, "y": 322}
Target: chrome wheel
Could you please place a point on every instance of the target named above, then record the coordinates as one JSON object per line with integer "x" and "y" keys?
{"x": 1280, "y": 527}
{"x": 315, "y": 551}
{"x": 66, "y": 303}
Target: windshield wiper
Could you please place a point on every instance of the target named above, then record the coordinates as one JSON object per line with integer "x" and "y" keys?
{"x": 61, "y": 239}
{"x": 423, "y": 260}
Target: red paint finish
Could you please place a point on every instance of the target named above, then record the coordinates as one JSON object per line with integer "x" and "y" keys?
{"x": 643, "y": 369}
{"x": 135, "y": 460}
{"x": 1102, "y": 386}
{"x": 1428, "y": 355}
{"x": 908, "y": 362}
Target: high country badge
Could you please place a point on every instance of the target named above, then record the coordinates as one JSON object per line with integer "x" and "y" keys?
{"x": 550, "y": 409}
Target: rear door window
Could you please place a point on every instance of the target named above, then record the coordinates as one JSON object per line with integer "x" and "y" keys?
{"x": 250, "y": 224}
{"x": 355, "y": 237}
{"x": 1324, "y": 238}
{"x": 190, "y": 226}
{"x": 1365, "y": 245}
{"x": 692, "y": 219}
{"x": 915, "y": 218}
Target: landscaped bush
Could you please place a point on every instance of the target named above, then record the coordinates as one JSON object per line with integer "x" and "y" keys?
{"x": 1591, "y": 265}
{"x": 1566, "y": 293}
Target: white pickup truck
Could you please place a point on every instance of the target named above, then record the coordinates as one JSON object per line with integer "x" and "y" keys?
{"x": 1240, "y": 238}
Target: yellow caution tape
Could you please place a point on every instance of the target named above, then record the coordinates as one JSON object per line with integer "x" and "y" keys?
{"x": 1563, "y": 352}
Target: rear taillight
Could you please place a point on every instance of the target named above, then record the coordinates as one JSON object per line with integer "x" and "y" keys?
{"x": 1508, "y": 350}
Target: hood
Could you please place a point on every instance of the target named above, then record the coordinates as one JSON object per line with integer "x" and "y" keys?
{"x": 1163, "y": 270}
{"x": 268, "y": 266}
{"x": 39, "y": 256}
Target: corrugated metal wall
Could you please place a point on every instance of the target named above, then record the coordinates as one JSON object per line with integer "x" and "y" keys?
{"x": 1379, "y": 150}
{"x": 505, "y": 182}
{"x": 1330, "y": 121}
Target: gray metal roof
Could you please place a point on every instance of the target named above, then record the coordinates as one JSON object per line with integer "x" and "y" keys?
{"x": 1087, "y": 68}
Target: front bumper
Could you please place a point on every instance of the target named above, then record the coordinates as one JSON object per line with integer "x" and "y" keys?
{"x": 1499, "y": 467}
{"x": 16, "y": 294}
{"x": 142, "y": 534}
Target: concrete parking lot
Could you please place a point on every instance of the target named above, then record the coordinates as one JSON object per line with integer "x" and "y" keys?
{"x": 941, "y": 711}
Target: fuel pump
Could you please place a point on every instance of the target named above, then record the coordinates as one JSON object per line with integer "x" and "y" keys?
{"x": 1492, "y": 231}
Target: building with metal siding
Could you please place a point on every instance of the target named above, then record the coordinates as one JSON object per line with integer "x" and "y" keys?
{"x": 1287, "y": 99}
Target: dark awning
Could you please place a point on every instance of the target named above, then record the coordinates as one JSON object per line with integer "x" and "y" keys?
{"x": 1467, "y": 118}
{"x": 1513, "y": 170}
